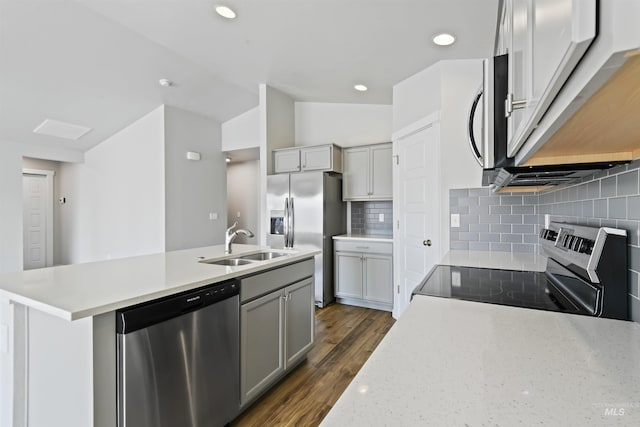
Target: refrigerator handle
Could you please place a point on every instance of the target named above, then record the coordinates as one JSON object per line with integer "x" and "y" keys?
{"x": 286, "y": 222}
{"x": 292, "y": 218}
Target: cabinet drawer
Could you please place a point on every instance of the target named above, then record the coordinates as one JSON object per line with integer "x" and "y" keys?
{"x": 263, "y": 283}
{"x": 363, "y": 246}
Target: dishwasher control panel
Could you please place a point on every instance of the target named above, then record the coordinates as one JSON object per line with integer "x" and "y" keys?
{"x": 141, "y": 315}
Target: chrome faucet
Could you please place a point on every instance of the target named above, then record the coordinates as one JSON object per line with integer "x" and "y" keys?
{"x": 230, "y": 235}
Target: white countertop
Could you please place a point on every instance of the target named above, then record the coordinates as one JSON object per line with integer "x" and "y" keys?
{"x": 368, "y": 237}
{"x": 499, "y": 260}
{"x": 82, "y": 290}
{"x": 447, "y": 362}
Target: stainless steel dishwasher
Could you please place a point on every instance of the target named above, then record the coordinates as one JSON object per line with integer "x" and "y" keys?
{"x": 178, "y": 359}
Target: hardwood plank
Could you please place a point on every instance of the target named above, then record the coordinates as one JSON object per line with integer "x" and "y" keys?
{"x": 345, "y": 338}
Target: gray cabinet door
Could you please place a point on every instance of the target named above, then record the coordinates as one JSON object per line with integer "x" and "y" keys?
{"x": 348, "y": 275}
{"x": 316, "y": 158}
{"x": 378, "y": 278}
{"x": 286, "y": 161}
{"x": 299, "y": 321}
{"x": 355, "y": 178}
{"x": 381, "y": 172}
{"x": 261, "y": 344}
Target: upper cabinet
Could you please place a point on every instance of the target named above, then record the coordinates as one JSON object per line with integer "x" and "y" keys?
{"x": 573, "y": 85}
{"x": 301, "y": 159}
{"x": 545, "y": 40}
{"x": 368, "y": 173}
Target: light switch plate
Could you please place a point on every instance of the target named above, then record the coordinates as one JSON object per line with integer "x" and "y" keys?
{"x": 213, "y": 216}
{"x": 381, "y": 217}
{"x": 455, "y": 220}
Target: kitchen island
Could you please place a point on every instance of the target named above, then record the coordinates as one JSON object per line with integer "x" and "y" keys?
{"x": 452, "y": 362}
{"x": 64, "y": 324}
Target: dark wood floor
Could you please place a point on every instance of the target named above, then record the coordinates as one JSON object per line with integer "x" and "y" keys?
{"x": 345, "y": 337}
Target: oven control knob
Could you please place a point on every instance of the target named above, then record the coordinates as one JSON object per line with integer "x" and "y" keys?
{"x": 577, "y": 243}
{"x": 566, "y": 242}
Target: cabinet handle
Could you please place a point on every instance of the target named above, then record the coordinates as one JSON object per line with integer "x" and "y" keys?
{"x": 426, "y": 242}
{"x": 362, "y": 247}
{"x": 510, "y": 105}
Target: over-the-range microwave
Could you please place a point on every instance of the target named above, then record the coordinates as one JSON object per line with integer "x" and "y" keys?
{"x": 487, "y": 136}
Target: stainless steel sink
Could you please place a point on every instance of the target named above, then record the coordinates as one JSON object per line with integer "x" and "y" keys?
{"x": 229, "y": 261}
{"x": 262, "y": 256}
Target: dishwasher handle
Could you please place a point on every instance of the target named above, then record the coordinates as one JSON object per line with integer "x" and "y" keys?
{"x": 143, "y": 315}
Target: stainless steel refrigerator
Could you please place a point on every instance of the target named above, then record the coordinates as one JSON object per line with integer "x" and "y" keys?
{"x": 305, "y": 210}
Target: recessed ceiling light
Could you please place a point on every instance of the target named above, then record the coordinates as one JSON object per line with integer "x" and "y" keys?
{"x": 360, "y": 88}
{"x": 443, "y": 39}
{"x": 225, "y": 11}
{"x": 165, "y": 82}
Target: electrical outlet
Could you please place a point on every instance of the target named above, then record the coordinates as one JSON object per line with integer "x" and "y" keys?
{"x": 381, "y": 217}
{"x": 238, "y": 214}
{"x": 455, "y": 220}
{"x": 455, "y": 279}
{"x": 213, "y": 216}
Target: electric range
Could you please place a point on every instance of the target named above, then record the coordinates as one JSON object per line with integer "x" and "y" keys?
{"x": 586, "y": 274}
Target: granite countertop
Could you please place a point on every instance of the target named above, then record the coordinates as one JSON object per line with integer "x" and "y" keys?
{"x": 83, "y": 290}
{"x": 499, "y": 260}
{"x": 368, "y": 237}
{"x": 462, "y": 363}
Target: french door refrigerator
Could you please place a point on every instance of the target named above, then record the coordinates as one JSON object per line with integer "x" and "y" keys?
{"x": 304, "y": 211}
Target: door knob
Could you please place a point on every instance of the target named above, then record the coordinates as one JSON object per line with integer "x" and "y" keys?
{"x": 426, "y": 242}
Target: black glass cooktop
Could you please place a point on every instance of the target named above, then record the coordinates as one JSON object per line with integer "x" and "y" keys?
{"x": 514, "y": 288}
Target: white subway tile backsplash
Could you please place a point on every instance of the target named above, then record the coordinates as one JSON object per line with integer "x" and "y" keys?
{"x": 365, "y": 218}
{"x": 600, "y": 208}
{"x": 608, "y": 187}
{"x": 628, "y": 183}
{"x": 497, "y": 209}
{"x": 633, "y": 207}
{"x": 618, "y": 208}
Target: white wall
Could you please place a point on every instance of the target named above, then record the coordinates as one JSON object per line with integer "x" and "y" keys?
{"x": 277, "y": 121}
{"x": 416, "y": 97}
{"x": 193, "y": 189}
{"x": 277, "y": 130}
{"x": 242, "y": 131}
{"x": 243, "y": 180}
{"x": 11, "y": 154}
{"x": 342, "y": 124}
{"x": 115, "y": 200}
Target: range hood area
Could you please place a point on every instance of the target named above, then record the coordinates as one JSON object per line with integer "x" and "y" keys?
{"x": 539, "y": 178}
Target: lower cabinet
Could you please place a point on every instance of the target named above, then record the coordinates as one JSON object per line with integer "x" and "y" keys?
{"x": 364, "y": 278}
{"x": 276, "y": 332}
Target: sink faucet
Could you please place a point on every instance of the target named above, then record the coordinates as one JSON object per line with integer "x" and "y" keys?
{"x": 230, "y": 235}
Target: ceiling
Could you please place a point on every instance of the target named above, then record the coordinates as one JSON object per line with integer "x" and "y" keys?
{"x": 96, "y": 63}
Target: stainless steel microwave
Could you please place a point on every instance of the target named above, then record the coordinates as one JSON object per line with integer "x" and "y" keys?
{"x": 487, "y": 136}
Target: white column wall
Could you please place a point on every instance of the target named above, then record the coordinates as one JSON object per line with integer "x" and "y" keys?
{"x": 11, "y": 155}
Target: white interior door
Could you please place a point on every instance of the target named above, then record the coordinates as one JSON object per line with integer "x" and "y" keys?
{"x": 417, "y": 207}
{"x": 37, "y": 194}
